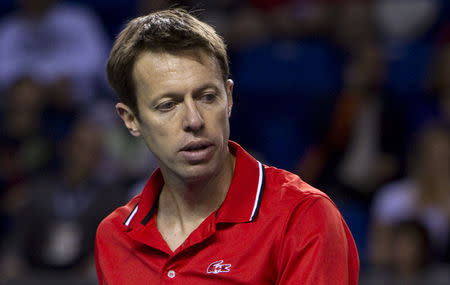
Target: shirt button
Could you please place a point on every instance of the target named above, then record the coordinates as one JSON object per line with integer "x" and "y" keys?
{"x": 171, "y": 274}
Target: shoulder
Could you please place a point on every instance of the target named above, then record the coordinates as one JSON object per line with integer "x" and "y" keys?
{"x": 300, "y": 207}
{"x": 289, "y": 192}
{"x": 310, "y": 223}
{"x": 115, "y": 222}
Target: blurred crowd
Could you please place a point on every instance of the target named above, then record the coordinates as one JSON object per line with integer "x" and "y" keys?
{"x": 352, "y": 95}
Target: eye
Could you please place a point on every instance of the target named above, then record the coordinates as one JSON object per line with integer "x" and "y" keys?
{"x": 166, "y": 106}
{"x": 208, "y": 98}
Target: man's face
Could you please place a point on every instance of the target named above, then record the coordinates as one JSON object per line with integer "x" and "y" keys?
{"x": 184, "y": 108}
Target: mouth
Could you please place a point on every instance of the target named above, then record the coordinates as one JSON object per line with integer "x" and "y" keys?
{"x": 196, "y": 146}
{"x": 197, "y": 151}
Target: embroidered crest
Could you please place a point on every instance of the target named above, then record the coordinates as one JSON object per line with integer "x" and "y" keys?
{"x": 218, "y": 267}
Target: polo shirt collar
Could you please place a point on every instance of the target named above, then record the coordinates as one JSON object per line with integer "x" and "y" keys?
{"x": 146, "y": 207}
{"x": 245, "y": 193}
{"x": 240, "y": 205}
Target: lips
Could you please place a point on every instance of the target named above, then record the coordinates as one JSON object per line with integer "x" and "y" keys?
{"x": 196, "y": 152}
{"x": 196, "y": 145}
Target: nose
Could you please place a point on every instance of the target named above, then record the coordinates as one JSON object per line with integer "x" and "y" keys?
{"x": 193, "y": 120}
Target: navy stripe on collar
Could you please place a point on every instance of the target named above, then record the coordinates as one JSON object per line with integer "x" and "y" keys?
{"x": 259, "y": 192}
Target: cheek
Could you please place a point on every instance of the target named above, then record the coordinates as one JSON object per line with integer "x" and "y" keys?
{"x": 156, "y": 133}
{"x": 154, "y": 124}
{"x": 223, "y": 123}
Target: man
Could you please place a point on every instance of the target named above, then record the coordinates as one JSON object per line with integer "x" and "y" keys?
{"x": 211, "y": 213}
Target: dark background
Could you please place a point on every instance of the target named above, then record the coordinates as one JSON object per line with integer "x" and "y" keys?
{"x": 353, "y": 96}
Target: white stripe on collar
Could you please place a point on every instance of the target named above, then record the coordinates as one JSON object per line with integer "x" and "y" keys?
{"x": 255, "y": 205}
{"x": 130, "y": 217}
{"x": 258, "y": 192}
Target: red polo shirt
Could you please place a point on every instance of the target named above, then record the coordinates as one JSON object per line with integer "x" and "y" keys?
{"x": 272, "y": 228}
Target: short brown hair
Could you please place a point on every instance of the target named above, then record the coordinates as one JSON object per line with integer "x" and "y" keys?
{"x": 170, "y": 30}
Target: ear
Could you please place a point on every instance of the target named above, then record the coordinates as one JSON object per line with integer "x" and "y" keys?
{"x": 129, "y": 118}
{"x": 229, "y": 89}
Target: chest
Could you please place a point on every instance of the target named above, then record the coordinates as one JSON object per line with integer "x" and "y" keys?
{"x": 228, "y": 254}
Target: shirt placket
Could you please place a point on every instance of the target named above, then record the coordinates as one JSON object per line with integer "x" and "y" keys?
{"x": 171, "y": 272}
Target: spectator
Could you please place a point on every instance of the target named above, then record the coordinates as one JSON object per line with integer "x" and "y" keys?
{"x": 363, "y": 146}
{"x": 57, "y": 226}
{"x": 24, "y": 148}
{"x": 22, "y": 136}
{"x": 434, "y": 103}
{"x": 50, "y": 41}
{"x": 424, "y": 195}
{"x": 353, "y": 26}
{"x": 410, "y": 260}
{"x": 440, "y": 85}
{"x": 405, "y": 21}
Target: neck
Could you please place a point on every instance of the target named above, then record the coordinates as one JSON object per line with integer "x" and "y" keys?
{"x": 183, "y": 200}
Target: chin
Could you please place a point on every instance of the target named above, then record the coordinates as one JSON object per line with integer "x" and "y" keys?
{"x": 196, "y": 173}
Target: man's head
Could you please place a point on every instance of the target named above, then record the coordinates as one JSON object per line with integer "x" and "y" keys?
{"x": 170, "y": 71}
{"x": 171, "y": 31}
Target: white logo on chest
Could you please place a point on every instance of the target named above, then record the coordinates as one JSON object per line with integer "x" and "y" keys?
{"x": 218, "y": 267}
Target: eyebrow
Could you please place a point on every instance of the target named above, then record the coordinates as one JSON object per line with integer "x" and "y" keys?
{"x": 197, "y": 90}
{"x": 206, "y": 86}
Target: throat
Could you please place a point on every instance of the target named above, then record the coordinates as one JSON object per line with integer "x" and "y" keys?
{"x": 176, "y": 231}
{"x": 182, "y": 208}
{"x": 177, "y": 217}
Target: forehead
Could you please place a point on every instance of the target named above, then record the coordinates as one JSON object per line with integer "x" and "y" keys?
{"x": 169, "y": 72}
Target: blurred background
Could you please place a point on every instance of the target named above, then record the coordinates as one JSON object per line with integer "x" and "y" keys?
{"x": 354, "y": 96}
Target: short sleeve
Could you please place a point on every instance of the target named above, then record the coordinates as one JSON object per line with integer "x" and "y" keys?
{"x": 317, "y": 246}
